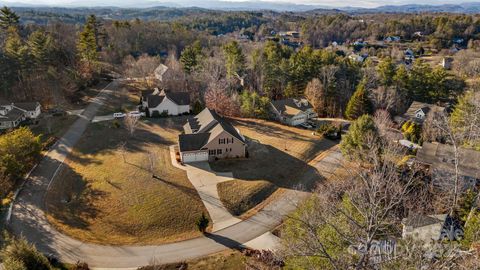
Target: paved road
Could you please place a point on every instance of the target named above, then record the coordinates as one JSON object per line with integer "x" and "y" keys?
{"x": 28, "y": 218}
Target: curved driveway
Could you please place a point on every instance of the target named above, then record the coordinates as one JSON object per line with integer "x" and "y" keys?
{"x": 28, "y": 218}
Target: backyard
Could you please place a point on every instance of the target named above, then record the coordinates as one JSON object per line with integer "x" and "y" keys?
{"x": 278, "y": 160}
{"x": 113, "y": 194}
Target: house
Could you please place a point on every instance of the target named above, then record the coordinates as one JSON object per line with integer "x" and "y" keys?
{"x": 293, "y": 111}
{"x": 160, "y": 102}
{"x": 358, "y": 58}
{"x": 440, "y": 161}
{"x": 209, "y": 136}
{"x": 160, "y": 71}
{"x": 12, "y": 114}
{"x": 419, "y": 111}
{"x": 431, "y": 228}
{"x": 32, "y": 110}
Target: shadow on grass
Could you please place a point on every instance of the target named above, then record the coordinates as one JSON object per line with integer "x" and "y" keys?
{"x": 71, "y": 200}
{"x": 105, "y": 137}
{"x": 270, "y": 164}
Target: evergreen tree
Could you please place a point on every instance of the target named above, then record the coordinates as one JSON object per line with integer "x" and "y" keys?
{"x": 362, "y": 133}
{"x": 359, "y": 104}
{"x": 191, "y": 57}
{"x": 41, "y": 47}
{"x": 8, "y": 18}
{"x": 88, "y": 44}
{"x": 235, "y": 59}
{"x": 274, "y": 69}
{"x": 386, "y": 71}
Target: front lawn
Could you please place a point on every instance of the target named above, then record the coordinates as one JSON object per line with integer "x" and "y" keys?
{"x": 104, "y": 194}
{"x": 278, "y": 158}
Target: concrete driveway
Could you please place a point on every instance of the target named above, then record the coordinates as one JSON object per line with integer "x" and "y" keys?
{"x": 205, "y": 181}
{"x": 28, "y": 217}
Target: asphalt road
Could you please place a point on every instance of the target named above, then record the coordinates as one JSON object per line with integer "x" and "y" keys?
{"x": 28, "y": 218}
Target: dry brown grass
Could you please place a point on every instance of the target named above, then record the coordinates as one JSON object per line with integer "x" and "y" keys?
{"x": 125, "y": 98}
{"x": 98, "y": 197}
{"x": 278, "y": 158}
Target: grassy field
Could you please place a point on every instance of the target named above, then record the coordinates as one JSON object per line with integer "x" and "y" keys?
{"x": 126, "y": 98}
{"x": 278, "y": 157}
{"x": 104, "y": 194}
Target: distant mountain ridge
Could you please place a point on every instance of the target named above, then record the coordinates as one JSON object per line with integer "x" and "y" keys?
{"x": 473, "y": 7}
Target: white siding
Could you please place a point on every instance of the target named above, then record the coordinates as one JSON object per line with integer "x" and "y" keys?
{"x": 170, "y": 107}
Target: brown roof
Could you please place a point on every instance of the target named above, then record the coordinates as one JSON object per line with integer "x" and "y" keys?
{"x": 417, "y": 221}
{"x": 154, "y": 99}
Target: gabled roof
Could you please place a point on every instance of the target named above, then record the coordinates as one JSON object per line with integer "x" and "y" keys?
{"x": 12, "y": 115}
{"x": 193, "y": 142}
{"x": 203, "y": 128}
{"x": 291, "y": 106}
{"x": 424, "y": 107}
{"x": 27, "y": 106}
{"x": 418, "y": 221}
{"x": 441, "y": 157}
{"x": 155, "y": 97}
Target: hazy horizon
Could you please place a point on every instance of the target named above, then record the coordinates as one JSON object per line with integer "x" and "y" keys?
{"x": 186, "y": 3}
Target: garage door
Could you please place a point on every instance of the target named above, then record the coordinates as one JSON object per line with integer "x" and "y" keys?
{"x": 194, "y": 157}
{"x": 299, "y": 120}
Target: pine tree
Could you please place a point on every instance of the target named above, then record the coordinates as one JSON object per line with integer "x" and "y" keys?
{"x": 235, "y": 59}
{"x": 8, "y": 18}
{"x": 386, "y": 71}
{"x": 359, "y": 104}
{"x": 87, "y": 44}
{"x": 41, "y": 47}
{"x": 191, "y": 57}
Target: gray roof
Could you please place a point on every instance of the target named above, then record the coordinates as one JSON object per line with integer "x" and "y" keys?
{"x": 12, "y": 115}
{"x": 179, "y": 98}
{"x": 154, "y": 100}
{"x": 291, "y": 106}
{"x": 441, "y": 157}
{"x": 193, "y": 142}
{"x": 425, "y": 107}
{"x": 418, "y": 221}
{"x": 203, "y": 128}
{"x": 27, "y": 106}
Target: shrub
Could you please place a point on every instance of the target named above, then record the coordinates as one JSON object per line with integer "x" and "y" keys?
{"x": 19, "y": 255}
{"x": 116, "y": 124}
{"x": 202, "y": 223}
{"x": 329, "y": 131}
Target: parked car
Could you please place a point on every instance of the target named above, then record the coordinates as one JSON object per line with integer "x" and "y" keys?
{"x": 57, "y": 112}
{"x": 136, "y": 114}
{"x": 118, "y": 115}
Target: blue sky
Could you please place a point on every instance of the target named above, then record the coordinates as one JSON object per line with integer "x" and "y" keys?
{"x": 336, "y": 3}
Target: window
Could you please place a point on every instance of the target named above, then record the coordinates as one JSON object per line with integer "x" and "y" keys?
{"x": 211, "y": 152}
{"x": 219, "y": 151}
{"x": 221, "y": 141}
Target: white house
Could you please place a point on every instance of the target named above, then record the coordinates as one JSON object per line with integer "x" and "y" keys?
{"x": 160, "y": 102}
{"x": 32, "y": 109}
{"x": 293, "y": 111}
{"x": 12, "y": 114}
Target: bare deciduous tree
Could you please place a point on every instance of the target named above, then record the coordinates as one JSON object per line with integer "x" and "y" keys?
{"x": 131, "y": 123}
{"x": 352, "y": 211}
{"x": 315, "y": 93}
{"x": 219, "y": 99}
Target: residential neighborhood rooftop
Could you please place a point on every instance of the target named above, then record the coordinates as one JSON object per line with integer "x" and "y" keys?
{"x": 291, "y": 106}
